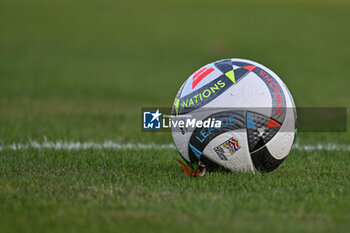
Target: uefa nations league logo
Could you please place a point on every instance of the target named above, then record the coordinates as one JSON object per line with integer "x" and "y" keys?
{"x": 151, "y": 120}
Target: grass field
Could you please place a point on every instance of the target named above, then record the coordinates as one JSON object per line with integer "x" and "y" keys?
{"x": 81, "y": 71}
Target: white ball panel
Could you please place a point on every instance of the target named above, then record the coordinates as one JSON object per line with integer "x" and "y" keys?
{"x": 249, "y": 93}
{"x": 281, "y": 144}
{"x": 239, "y": 160}
{"x": 181, "y": 140}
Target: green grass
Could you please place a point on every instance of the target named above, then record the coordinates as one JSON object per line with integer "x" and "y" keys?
{"x": 144, "y": 191}
{"x": 82, "y": 70}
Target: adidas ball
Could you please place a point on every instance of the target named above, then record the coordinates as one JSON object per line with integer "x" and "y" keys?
{"x": 256, "y": 113}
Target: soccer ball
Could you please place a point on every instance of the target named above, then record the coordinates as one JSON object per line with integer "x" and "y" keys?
{"x": 256, "y": 112}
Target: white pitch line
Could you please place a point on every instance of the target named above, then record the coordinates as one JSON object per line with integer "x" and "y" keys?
{"x": 320, "y": 147}
{"x": 66, "y": 145}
